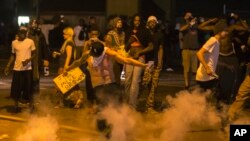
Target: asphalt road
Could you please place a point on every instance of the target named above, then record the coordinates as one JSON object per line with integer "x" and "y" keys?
{"x": 179, "y": 116}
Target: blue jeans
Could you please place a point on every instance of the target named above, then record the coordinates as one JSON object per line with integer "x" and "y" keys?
{"x": 132, "y": 82}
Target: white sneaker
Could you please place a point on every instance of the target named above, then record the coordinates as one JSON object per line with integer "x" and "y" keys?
{"x": 122, "y": 75}
{"x": 169, "y": 69}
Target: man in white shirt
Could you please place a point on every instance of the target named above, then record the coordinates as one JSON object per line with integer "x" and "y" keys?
{"x": 23, "y": 51}
{"x": 208, "y": 57}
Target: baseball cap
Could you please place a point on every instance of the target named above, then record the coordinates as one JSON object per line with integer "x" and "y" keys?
{"x": 96, "y": 49}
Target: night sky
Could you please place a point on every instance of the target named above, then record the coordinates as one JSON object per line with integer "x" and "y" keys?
{"x": 206, "y": 8}
{"x": 211, "y": 8}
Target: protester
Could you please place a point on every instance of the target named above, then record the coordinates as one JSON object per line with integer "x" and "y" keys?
{"x": 99, "y": 60}
{"x": 41, "y": 60}
{"x": 190, "y": 46}
{"x": 23, "y": 52}
{"x": 66, "y": 55}
{"x": 154, "y": 58}
{"x": 138, "y": 43}
{"x": 208, "y": 55}
{"x": 228, "y": 64}
{"x": 115, "y": 39}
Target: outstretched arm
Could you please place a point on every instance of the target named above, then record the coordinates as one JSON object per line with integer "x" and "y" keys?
{"x": 124, "y": 60}
{"x": 79, "y": 62}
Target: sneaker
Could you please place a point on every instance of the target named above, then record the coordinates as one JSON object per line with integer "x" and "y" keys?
{"x": 169, "y": 69}
{"x": 122, "y": 75}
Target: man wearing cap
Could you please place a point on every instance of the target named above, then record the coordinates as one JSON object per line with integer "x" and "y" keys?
{"x": 93, "y": 34}
{"x": 23, "y": 52}
{"x": 100, "y": 66}
{"x": 154, "y": 60}
{"x": 190, "y": 45}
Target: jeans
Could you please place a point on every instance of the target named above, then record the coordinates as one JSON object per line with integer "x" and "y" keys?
{"x": 132, "y": 82}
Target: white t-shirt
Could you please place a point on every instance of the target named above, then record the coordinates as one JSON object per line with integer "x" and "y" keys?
{"x": 211, "y": 57}
{"x": 22, "y": 49}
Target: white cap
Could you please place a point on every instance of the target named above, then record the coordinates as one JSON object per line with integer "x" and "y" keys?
{"x": 152, "y": 18}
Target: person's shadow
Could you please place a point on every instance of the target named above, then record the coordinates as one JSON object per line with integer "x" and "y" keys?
{"x": 11, "y": 108}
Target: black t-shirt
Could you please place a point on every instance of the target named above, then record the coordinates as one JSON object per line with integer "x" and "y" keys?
{"x": 143, "y": 34}
{"x": 63, "y": 56}
{"x": 190, "y": 38}
{"x": 157, "y": 39}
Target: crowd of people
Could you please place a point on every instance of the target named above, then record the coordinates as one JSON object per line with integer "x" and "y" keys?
{"x": 215, "y": 51}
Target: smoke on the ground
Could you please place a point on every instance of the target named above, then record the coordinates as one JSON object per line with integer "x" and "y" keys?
{"x": 187, "y": 112}
{"x": 39, "y": 129}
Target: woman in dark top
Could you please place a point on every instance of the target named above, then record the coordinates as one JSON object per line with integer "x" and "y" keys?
{"x": 138, "y": 43}
{"x": 67, "y": 55}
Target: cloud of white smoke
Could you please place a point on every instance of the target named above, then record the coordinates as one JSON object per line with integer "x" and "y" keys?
{"x": 40, "y": 129}
{"x": 123, "y": 121}
{"x": 187, "y": 112}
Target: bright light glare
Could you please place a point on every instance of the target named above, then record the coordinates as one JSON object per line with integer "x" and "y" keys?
{"x": 23, "y": 20}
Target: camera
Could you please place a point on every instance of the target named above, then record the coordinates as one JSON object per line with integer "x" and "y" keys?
{"x": 192, "y": 20}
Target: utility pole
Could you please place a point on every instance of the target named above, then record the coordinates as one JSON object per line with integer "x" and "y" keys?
{"x": 224, "y": 7}
{"x": 36, "y": 7}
